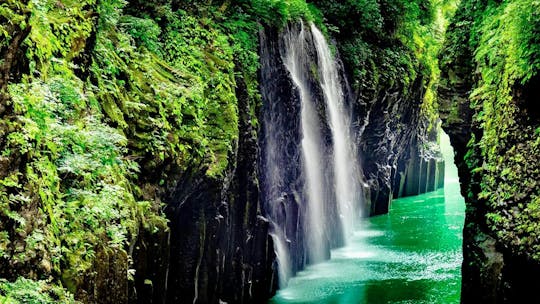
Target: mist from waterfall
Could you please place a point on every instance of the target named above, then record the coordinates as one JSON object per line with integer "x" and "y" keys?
{"x": 296, "y": 61}
{"x": 310, "y": 173}
{"x": 346, "y": 169}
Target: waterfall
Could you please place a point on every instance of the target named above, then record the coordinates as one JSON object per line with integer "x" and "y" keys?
{"x": 346, "y": 169}
{"x": 296, "y": 61}
{"x": 284, "y": 259}
{"x": 309, "y": 172}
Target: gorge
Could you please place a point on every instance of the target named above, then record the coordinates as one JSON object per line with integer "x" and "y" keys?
{"x": 193, "y": 151}
{"x": 393, "y": 258}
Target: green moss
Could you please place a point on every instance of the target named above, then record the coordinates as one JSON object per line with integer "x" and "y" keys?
{"x": 76, "y": 171}
{"x": 423, "y": 31}
{"x": 506, "y": 59}
{"x": 116, "y": 94}
{"x": 33, "y": 292}
{"x": 500, "y": 41}
{"x": 278, "y": 12}
{"x": 120, "y": 94}
{"x": 150, "y": 94}
{"x": 391, "y": 43}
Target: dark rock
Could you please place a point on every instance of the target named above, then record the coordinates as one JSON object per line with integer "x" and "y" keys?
{"x": 219, "y": 245}
{"x": 281, "y": 181}
{"x": 107, "y": 282}
{"x": 392, "y": 136}
{"x": 219, "y": 248}
{"x": 494, "y": 269}
{"x": 150, "y": 255}
{"x": 12, "y": 51}
{"x": 439, "y": 179}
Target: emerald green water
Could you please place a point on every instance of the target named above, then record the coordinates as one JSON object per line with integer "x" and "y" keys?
{"x": 411, "y": 255}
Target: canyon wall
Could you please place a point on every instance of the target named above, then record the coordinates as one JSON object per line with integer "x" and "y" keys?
{"x": 487, "y": 94}
{"x": 133, "y": 140}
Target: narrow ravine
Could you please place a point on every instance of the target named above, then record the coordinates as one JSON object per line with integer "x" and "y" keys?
{"x": 411, "y": 255}
{"x": 269, "y": 151}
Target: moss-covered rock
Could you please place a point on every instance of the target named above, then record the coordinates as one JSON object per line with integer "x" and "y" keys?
{"x": 33, "y": 292}
{"x": 97, "y": 106}
{"x": 491, "y": 65}
{"x": 110, "y": 110}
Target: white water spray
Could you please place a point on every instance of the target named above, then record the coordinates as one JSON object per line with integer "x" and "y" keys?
{"x": 296, "y": 63}
{"x": 346, "y": 168}
{"x": 303, "y": 172}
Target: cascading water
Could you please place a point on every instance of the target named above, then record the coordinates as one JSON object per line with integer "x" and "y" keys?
{"x": 309, "y": 173}
{"x": 274, "y": 183}
{"x": 346, "y": 169}
{"x": 296, "y": 61}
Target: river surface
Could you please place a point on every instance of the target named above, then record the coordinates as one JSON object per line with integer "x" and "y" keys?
{"x": 411, "y": 255}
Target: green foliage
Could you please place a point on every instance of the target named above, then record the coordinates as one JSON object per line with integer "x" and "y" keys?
{"x": 278, "y": 12}
{"x": 356, "y": 18}
{"x": 76, "y": 170}
{"x": 358, "y": 27}
{"x": 422, "y": 28}
{"x": 12, "y": 15}
{"x": 24, "y": 291}
{"x": 178, "y": 105}
{"x": 391, "y": 43}
{"x": 499, "y": 43}
{"x": 507, "y": 58}
{"x": 211, "y": 103}
{"x": 244, "y": 42}
{"x": 145, "y": 32}
{"x": 57, "y": 32}
{"x": 510, "y": 32}
{"x": 122, "y": 94}
{"x": 112, "y": 98}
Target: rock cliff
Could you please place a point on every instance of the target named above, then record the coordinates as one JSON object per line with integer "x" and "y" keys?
{"x": 490, "y": 66}
{"x": 133, "y": 144}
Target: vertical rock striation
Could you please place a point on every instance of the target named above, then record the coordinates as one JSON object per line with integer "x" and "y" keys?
{"x": 219, "y": 245}
{"x": 225, "y": 228}
{"x": 288, "y": 81}
{"x": 400, "y": 157}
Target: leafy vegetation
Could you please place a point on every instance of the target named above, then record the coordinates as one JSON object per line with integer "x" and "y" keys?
{"x": 390, "y": 43}
{"x": 507, "y": 58}
{"x": 500, "y": 42}
{"x": 113, "y": 99}
{"x": 33, "y": 292}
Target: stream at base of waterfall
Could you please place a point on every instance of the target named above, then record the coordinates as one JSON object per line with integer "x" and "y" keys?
{"x": 311, "y": 169}
{"x": 411, "y": 255}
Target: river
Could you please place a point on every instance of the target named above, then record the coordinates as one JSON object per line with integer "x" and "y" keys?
{"x": 411, "y": 255}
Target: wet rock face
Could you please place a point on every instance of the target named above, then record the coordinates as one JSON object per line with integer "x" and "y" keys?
{"x": 218, "y": 247}
{"x": 391, "y": 139}
{"x": 280, "y": 121}
{"x": 281, "y": 169}
{"x": 106, "y": 283}
{"x": 420, "y": 174}
{"x": 12, "y": 52}
{"x": 151, "y": 262}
